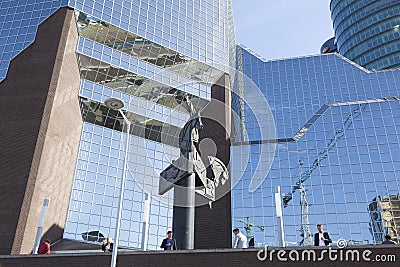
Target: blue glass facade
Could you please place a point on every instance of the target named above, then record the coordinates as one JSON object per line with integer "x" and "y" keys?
{"x": 197, "y": 29}
{"x": 151, "y": 54}
{"x": 19, "y": 20}
{"x": 337, "y": 131}
{"x": 367, "y": 32}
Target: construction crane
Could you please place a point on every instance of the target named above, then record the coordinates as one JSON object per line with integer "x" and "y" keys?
{"x": 305, "y": 231}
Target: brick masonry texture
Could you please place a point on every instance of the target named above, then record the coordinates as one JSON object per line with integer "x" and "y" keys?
{"x": 41, "y": 127}
{"x": 213, "y": 226}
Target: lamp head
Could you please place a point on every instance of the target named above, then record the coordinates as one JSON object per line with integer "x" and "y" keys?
{"x": 114, "y": 103}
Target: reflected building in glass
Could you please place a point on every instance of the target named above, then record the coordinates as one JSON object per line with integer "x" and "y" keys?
{"x": 385, "y": 215}
{"x": 337, "y": 149}
{"x": 368, "y": 32}
{"x": 68, "y": 57}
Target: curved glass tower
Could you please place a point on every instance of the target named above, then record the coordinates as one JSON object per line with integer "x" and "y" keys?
{"x": 368, "y": 32}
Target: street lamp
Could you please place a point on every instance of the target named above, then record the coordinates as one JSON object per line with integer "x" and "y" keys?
{"x": 117, "y": 104}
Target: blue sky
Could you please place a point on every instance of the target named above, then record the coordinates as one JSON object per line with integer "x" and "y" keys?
{"x": 282, "y": 28}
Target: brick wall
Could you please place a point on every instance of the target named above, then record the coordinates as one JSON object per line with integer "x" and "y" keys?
{"x": 213, "y": 227}
{"x": 41, "y": 126}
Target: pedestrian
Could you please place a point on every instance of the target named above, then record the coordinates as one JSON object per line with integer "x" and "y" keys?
{"x": 44, "y": 247}
{"x": 321, "y": 238}
{"x": 169, "y": 243}
{"x": 240, "y": 239}
{"x": 388, "y": 240}
{"x": 107, "y": 245}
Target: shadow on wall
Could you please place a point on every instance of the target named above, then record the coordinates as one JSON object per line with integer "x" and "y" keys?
{"x": 54, "y": 234}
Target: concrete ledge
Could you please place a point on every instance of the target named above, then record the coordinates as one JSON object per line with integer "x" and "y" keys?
{"x": 217, "y": 257}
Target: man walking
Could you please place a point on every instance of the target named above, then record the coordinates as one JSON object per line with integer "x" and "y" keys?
{"x": 321, "y": 238}
{"x": 240, "y": 239}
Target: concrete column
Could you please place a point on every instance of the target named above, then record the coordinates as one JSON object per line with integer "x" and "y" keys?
{"x": 278, "y": 206}
{"x": 40, "y": 227}
{"x": 145, "y": 224}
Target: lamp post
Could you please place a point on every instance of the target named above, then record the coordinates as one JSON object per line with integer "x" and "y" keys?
{"x": 40, "y": 228}
{"x": 278, "y": 208}
{"x": 145, "y": 223}
{"x": 117, "y": 104}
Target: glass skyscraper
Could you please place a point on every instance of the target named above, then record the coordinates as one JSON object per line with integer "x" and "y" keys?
{"x": 368, "y": 32}
{"x": 337, "y": 149}
{"x": 151, "y": 62}
{"x": 151, "y": 54}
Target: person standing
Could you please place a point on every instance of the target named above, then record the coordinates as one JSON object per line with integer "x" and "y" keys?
{"x": 107, "y": 245}
{"x": 321, "y": 238}
{"x": 169, "y": 243}
{"x": 44, "y": 247}
{"x": 240, "y": 239}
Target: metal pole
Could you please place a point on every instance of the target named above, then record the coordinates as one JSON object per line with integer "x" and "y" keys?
{"x": 145, "y": 226}
{"x": 40, "y": 228}
{"x": 278, "y": 206}
{"x": 183, "y": 213}
{"x": 121, "y": 193}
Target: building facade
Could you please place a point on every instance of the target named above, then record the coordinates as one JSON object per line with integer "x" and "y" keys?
{"x": 368, "y": 32}
{"x": 385, "y": 215}
{"x": 336, "y": 147}
{"x": 322, "y": 128}
{"x": 67, "y": 58}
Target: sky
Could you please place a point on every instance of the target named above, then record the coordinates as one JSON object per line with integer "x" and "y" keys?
{"x": 277, "y": 29}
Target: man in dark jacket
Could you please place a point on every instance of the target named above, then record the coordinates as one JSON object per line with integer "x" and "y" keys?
{"x": 321, "y": 238}
{"x": 107, "y": 245}
{"x": 169, "y": 243}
